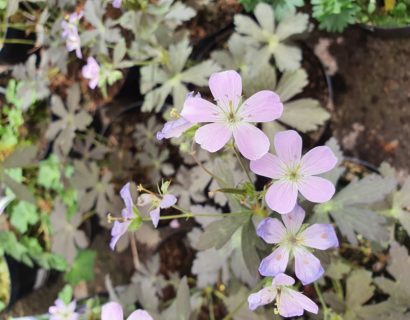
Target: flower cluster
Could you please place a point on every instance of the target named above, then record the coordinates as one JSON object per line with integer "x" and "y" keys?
{"x": 113, "y": 311}
{"x": 70, "y": 33}
{"x": 91, "y": 71}
{"x": 63, "y": 311}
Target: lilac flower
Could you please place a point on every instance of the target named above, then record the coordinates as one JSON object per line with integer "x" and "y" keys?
{"x": 62, "y": 311}
{"x": 70, "y": 33}
{"x": 295, "y": 173}
{"x": 120, "y": 228}
{"x": 113, "y": 311}
{"x": 116, "y": 3}
{"x": 292, "y": 241}
{"x": 229, "y": 117}
{"x": 167, "y": 201}
{"x": 91, "y": 71}
{"x": 290, "y": 303}
{"x": 174, "y": 129}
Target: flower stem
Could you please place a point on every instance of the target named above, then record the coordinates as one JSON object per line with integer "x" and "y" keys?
{"x": 242, "y": 165}
{"x": 322, "y": 301}
{"x": 17, "y": 41}
{"x": 192, "y": 215}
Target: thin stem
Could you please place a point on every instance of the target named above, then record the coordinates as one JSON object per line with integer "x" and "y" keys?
{"x": 192, "y": 215}
{"x": 322, "y": 301}
{"x": 17, "y": 41}
{"x": 134, "y": 250}
{"x": 242, "y": 165}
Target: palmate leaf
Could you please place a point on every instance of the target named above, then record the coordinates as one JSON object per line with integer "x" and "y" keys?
{"x": 351, "y": 208}
{"x": 23, "y": 215}
{"x": 401, "y": 205}
{"x": 83, "y": 267}
{"x": 183, "y": 303}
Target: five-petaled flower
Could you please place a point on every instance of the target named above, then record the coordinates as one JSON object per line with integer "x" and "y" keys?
{"x": 293, "y": 241}
{"x": 231, "y": 117}
{"x": 62, "y": 311}
{"x": 290, "y": 303}
{"x": 91, "y": 71}
{"x": 113, "y": 311}
{"x": 117, "y": 3}
{"x": 120, "y": 228}
{"x": 295, "y": 173}
{"x": 70, "y": 33}
{"x": 167, "y": 201}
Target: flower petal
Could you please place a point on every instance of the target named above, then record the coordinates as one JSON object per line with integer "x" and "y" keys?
{"x": 316, "y": 189}
{"x": 168, "y": 201}
{"x": 320, "y": 236}
{"x": 144, "y": 199}
{"x": 117, "y": 231}
{"x": 262, "y": 297}
{"x": 251, "y": 141}
{"x": 288, "y": 146}
{"x": 307, "y": 267}
{"x": 197, "y": 109}
{"x": 294, "y": 219}
{"x": 263, "y": 106}
{"x": 287, "y": 306}
{"x": 212, "y": 137}
{"x": 303, "y": 301}
{"x": 271, "y": 230}
{"x": 268, "y": 166}
{"x": 283, "y": 280}
{"x": 274, "y": 263}
{"x": 281, "y": 196}
{"x": 140, "y": 315}
{"x": 125, "y": 194}
{"x": 154, "y": 214}
{"x": 112, "y": 311}
{"x": 226, "y": 87}
{"x": 174, "y": 128}
{"x": 318, "y": 160}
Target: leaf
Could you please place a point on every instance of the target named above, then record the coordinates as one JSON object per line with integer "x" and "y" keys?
{"x": 249, "y": 244}
{"x": 120, "y": 50}
{"x": 23, "y": 215}
{"x": 21, "y": 157}
{"x": 49, "y": 173}
{"x": 82, "y": 268}
{"x": 291, "y": 83}
{"x": 179, "y": 13}
{"x": 183, "y": 304}
{"x": 217, "y": 233}
{"x": 200, "y": 73}
{"x": 20, "y": 190}
{"x": 401, "y": 205}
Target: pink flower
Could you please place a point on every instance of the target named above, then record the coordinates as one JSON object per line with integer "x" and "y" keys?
{"x": 290, "y": 303}
{"x": 295, "y": 173}
{"x": 120, "y": 228}
{"x": 229, "y": 117}
{"x": 116, "y": 3}
{"x": 174, "y": 129}
{"x": 167, "y": 201}
{"x": 91, "y": 71}
{"x": 70, "y": 33}
{"x": 292, "y": 241}
{"x": 62, "y": 311}
{"x": 113, "y": 311}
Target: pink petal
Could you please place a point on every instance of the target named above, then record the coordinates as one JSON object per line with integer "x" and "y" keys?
{"x": 112, "y": 311}
{"x": 154, "y": 214}
{"x": 262, "y": 297}
{"x": 283, "y": 280}
{"x": 226, "y": 87}
{"x": 281, "y": 196}
{"x": 271, "y": 230}
{"x": 117, "y": 231}
{"x": 274, "y": 263}
{"x": 316, "y": 189}
{"x": 168, "y": 201}
{"x": 294, "y": 219}
{"x": 307, "y": 267}
{"x": 288, "y": 146}
{"x": 126, "y": 196}
{"x": 174, "y": 129}
{"x": 197, "y": 109}
{"x": 287, "y": 306}
{"x": 268, "y": 166}
{"x": 263, "y": 106}
{"x": 144, "y": 200}
{"x": 140, "y": 315}
{"x": 303, "y": 301}
{"x": 318, "y": 160}
{"x": 212, "y": 137}
{"x": 320, "y": 236}
{"x": 251, "y": 141}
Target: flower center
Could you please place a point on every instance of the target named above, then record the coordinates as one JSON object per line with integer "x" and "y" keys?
{"x": 293, "y": 174}
{"x": 293, "y": 240}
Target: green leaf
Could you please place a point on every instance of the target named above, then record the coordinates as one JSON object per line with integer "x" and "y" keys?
{"x": 218, "y": 233}
{"x": 23, "y": 215}
{"x": 20, "y": 190}
{"x": 49, "y": 174}
{"x": 82, "y": 268}
{"x": 183, "y": 303}
{"x": 66, "y": 294}
{"x": 249, "y": 242}
{"x": 120, "y": 50}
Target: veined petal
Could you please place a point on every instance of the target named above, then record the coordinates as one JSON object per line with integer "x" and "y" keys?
{"x": 154, "y": 214}
{"x": 262, "y": 297}
{"x": 274, "y": 263}
{"x": 281, "y": 196}
{"x": 212, "y": 137}
{"x": 303, "y": 301}
{"x": 268, "y": 166}
{"x": 307, "y": 267}
{"x": 318, "y": 160}
{"x": 112, "y": 311}
{"x": 271, "y": 230}
{"x": 197, "y": 110}
{"x": 288, "y": 146}
{"x": 125, "y": 194}
{"x": 294, "y": 219}
{"x": 263, "y": 106}
{"x": 320, "y": 236}
{"x": 251, "y": 141}
{"x": 283, "y": 280}
{"x": 140, "y": 315}
{"x": 168, "y": 201}
{"x": 226, "y": 87}
{"x": 174, "y": 129}
{"x": 316, "y": 189}
{"x": 287, "y": 306}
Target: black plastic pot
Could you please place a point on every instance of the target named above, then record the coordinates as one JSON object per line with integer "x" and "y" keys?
{"x": 13, "y": 53}
{"x": 385, "y": 32}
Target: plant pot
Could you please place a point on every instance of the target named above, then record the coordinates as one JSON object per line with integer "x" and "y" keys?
{"x": 387, "y": 32}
